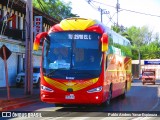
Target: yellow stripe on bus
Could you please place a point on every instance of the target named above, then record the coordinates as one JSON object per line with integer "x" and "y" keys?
{"x": 119, "y": 70}
{"x": 75, "y": 86}
{"x": 76, "y": 24}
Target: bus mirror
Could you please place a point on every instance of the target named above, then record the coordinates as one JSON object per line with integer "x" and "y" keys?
{"x": 104, "y": 41}
{"x": 38, "y": 38}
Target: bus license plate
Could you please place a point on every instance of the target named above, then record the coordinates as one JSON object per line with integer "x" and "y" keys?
{"x": 71, "y": 96}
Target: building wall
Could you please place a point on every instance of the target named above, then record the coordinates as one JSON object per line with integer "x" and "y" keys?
{"x": 15, "y": 62}
{"x": 12, "y": 66}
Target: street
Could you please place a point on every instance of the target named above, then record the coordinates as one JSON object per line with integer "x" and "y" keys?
{"x": 139, "y": 98}
{"x": 81, "y": 58}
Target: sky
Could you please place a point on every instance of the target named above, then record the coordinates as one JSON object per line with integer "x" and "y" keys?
{"x": 125, "y": 18}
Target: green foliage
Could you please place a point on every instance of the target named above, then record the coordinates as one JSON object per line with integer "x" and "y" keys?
{"x": 55, "y": 8}
{"x": 126, "y": 50}
{"x": 151, "y": 51}
{"x": 115, "y": 28}
{"x": 143, "y": 40}
{"x": 134, "y": 52}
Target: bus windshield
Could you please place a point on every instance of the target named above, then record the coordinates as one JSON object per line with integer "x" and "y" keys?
{"x": 73, "y": 55}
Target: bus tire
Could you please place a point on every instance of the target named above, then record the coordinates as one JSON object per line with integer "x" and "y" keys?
{"x": 110, "y": 95}
{"x": 126, "y": 85}
{"x": 59, "y": 105}
{"x": 123, "y": 95}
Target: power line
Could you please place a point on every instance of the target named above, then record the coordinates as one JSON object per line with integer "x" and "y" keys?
{"x": 44, "y": 10}
{"x": 103, "y": 11}
{"x": 141, "y": 13}
{"x": 110, "y": 18}
{"x": 127, "y": 9}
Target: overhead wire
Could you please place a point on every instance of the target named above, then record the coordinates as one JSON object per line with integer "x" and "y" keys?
{"x": 111, "y": 18}
{"x": 126, "y": 9}
{"x": 141, "y": 13}
{"x": 92, "y": 4}
{"x": 44, "y": 10}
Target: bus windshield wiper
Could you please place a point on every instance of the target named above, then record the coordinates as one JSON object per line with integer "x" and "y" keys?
{"x": 55, "y": 70}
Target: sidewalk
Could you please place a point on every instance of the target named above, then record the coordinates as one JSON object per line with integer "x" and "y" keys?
{"x": 18, "y": 98}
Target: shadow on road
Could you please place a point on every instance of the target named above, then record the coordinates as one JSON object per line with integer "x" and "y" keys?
{"x": 139, "y": 98}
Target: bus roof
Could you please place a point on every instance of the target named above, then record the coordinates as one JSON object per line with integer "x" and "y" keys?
{"x": 78, "y": 24}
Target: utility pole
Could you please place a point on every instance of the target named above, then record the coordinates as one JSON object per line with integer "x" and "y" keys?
{"x": 28, "y": 48}
{"x": 139, "y": 57}
{"x": 117, "y": 8}
{"x": 102, "y": 11}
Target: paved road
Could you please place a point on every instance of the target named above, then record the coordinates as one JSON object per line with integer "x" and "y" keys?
{"x": 140, "y": 98}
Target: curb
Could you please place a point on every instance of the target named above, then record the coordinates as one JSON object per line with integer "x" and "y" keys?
{"x": 18, "y": 105}
{"x": 14, "y": 103}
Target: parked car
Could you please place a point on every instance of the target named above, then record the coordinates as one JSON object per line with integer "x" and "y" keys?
{"x": 21, "y": 77}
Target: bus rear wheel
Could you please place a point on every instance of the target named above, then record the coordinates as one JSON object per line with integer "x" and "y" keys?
{"x": 123, "y": 95}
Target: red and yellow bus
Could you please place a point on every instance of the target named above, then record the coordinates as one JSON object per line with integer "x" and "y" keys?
{"x": 82, "y": 63}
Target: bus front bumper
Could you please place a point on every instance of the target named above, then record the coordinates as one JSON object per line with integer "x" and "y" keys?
{"x": 72, "y": 98}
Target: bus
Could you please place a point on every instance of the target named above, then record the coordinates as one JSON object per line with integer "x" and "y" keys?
{"x": 83, "y": 62}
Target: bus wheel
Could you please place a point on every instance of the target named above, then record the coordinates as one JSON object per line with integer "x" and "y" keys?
{"x": 126, "y": 85}
{"x": 123, "y": 95}
{"x": 59, "y": 105}
{"x": 110, "y": 95}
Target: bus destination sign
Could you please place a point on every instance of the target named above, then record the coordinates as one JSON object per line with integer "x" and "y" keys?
{"x": 79, "y": 36}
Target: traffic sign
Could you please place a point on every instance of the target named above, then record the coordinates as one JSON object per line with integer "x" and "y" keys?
{"x": 7, "y": 51}
{"x": 4, "y": 54}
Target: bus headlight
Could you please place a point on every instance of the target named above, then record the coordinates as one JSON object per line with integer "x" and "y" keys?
{"x": 46, "y": 89}
{"x": 98, "y": 89}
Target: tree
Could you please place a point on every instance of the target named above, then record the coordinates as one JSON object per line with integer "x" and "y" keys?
{"x": 151, "y": 51}
{"x": 55, "y": 8}
{"x": 116, "y": 28}
{"x": 142, "y": 39}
